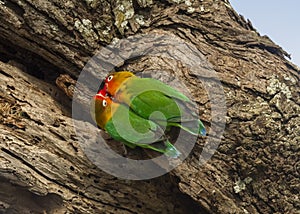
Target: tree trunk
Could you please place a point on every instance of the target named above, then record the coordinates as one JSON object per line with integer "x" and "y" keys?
{"x": 45, "y": 44}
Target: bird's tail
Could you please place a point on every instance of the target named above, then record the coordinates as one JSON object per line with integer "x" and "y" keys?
{"x": 166, "y": 148}
{"x": 191, "y": 127}
{"x": 171, "y": 150}
{"x": 202, "y": 129}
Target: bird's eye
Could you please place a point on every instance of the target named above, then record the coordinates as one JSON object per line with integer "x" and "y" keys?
{"x": 104, "y": 103}
{"x": 109, "y": 78}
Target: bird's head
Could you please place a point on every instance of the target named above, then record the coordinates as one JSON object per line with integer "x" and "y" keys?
{"x": 114, "y": 80}
{"x": 101, "y": 108}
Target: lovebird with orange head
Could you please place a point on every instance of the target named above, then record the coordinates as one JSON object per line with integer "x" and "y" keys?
{"x": 125, "y": 126}
{"x": 153, "y": 100}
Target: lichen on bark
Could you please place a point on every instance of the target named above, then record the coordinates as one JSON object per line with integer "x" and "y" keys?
{"x": 255, "y": 168}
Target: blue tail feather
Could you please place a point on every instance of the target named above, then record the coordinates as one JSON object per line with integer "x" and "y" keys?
{"x": 171, "y": 151}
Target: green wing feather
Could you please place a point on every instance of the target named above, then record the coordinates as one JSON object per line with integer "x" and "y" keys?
{"x": 148, "y": 102}
{"x": 126, "y": 125}
{"x": 150, "y": 95}
{"x": 138, "y": 132}
{"x": 135, "y": 85}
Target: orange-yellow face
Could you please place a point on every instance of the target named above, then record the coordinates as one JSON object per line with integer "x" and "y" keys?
{"x": 101, "y": 109}
{"x": 114, "y": 80}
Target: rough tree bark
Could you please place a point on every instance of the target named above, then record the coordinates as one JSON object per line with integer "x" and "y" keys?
{"x": 43, "y": 169}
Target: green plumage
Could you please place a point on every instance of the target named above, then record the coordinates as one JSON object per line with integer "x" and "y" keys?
{"x": 146, "y": 97}
{"x": 133, "y": 130}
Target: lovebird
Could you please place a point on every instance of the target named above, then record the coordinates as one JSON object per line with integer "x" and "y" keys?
{"x": 125, "y": 126}
{"x": 153, "y": 100}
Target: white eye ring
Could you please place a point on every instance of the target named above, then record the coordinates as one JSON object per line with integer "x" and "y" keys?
{"x": 109, "y": 78}
{"x": 104, "y": 103}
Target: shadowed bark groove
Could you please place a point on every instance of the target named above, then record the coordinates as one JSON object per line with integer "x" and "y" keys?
{"x": 45, "y": 44}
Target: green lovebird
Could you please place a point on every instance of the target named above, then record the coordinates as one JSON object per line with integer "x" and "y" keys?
{"x": 153, "y": 100}
{"x": 125, "y": 126}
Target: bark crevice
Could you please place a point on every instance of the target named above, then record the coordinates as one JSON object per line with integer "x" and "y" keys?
{"x": 43, "y": 47}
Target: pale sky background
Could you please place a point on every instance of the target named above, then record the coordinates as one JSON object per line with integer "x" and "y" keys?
{"x": 280, "y": 20}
